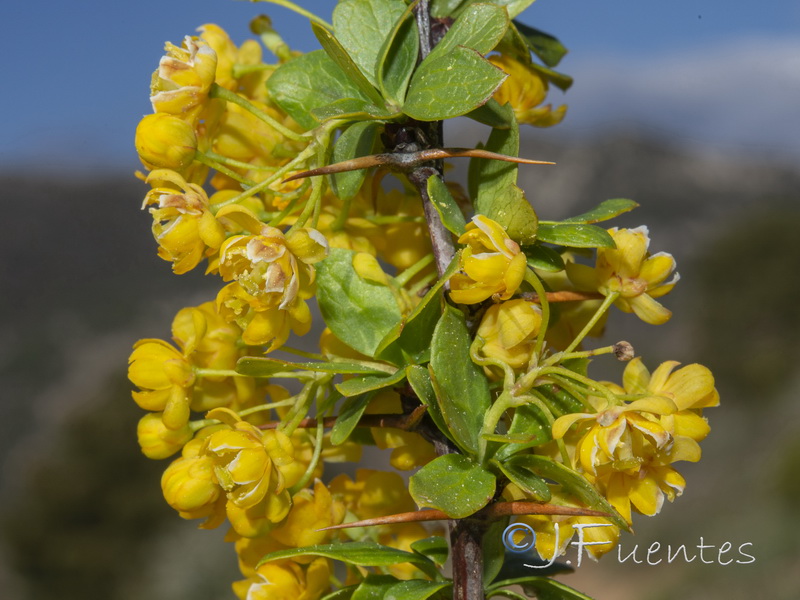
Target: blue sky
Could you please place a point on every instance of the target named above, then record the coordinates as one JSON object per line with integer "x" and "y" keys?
{"x": 718, "y": 73}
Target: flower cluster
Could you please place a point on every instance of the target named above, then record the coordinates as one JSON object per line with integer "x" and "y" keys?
{"x": 455, "y": 331}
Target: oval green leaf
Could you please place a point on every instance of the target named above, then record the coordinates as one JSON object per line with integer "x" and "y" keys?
{"x": 479, "y": 26}
{"x": 461, "y": 386}
{"x": 451, "y": 85}
{"x": 307, "y": 82}
{"x": 358, "y": 312}
{"x": 607, "y": 209}
{"x": 575, "y": 235}
{"x": 453, "y": 484}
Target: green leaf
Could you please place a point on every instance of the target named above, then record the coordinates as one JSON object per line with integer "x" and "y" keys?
{"x": 357, "y": 140}
{"x": 461, "y": 386}
{"x": 560, "y": 80}
{"x": 361, "y": 554}
{"x": 526, "y": 480}
{"x": 307, "y": 82}
{"x": 492, "y": 185}
{"x": 550, "y": 589}
{"x": 420, "y": 380}
{"x": 434, "y": 548}
{"x": 479, "y": 27}
{"x": 444, "y": 8}
{"x": 451, "y": 85}
{"x": 575, "y": 235}
{"x": 362, "y": 26}
{"x": 511, "y": 209}
{"x": 543, "y": 258}
{"x": 374, "y": 587}
{"x": 344, "y": 593}
{"x": 350, "y": 413}
{"x": 514, "y": 7}
{"x": 398, "y": 57}
{"x": 493, "y": 114}
{"x": 415, "y": 589}
{"x": 607, "y": 209}
{"x": 253, "y": 366}
{"x": 445, "y": 205}
{"x": 453, "y": 484}
{"x": 574, "y": 483}
{"x": 530, "y": 427}
{"x": 339, "y": 55}
{"x": 412, "y": 336}
{"x": 518, "y": 567}
{"x": 543, "y": 45}
{"x": 358, "y": 312}
{"x": 351, "y": 109}
{"x": 369, "y": 383}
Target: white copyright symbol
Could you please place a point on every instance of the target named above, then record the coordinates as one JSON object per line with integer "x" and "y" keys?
{"x": 528, "y": 538}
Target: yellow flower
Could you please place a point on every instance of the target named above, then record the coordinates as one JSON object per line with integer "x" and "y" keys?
{"x": 641, "y": 475}
{"x": 492, "y": 264}
{"x": 191, "y": 488}
{"x": 525, "y": 89}
{"x": 691, "y": 388}
{"x": 228, "y": 56}
{"x": 262, "y": 321}
{"x": 182, "y": 81}
{"x": 311, "y": 511}
{"x": 165, "y": 142}
{"x": 267, "y": 264}
{"x": 608, "y": 425}
{"x": 373, "y": 493}
{"x": 273, "y": 275}
{"x": 183, "y": 225}
{"x": 287, "y": 580}
{"x": 164, "y": 378}
{"x": 509, "y": 330}
{"x": 632, "y": 272}
{"x": 247, "y": 465}
{"x": 156, "y": 440}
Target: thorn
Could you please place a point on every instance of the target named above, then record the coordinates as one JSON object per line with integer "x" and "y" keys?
{"x": 404, "y": 161}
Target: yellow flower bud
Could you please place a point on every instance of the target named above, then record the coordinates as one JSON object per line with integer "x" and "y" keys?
{"x": 164, "y": 141}
{"x": 311, "y": 511}
{"x": 190, "y": 486}
{"x": 156, "y": 440}
{"x": 509, "y": 330}
{"x": 164, "y": 378}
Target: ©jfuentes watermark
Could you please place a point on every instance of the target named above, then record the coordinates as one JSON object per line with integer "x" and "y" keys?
{"x": 652, "y": 555}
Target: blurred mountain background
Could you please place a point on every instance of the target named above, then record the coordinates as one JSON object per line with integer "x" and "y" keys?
{"x": 81, "y": 512}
